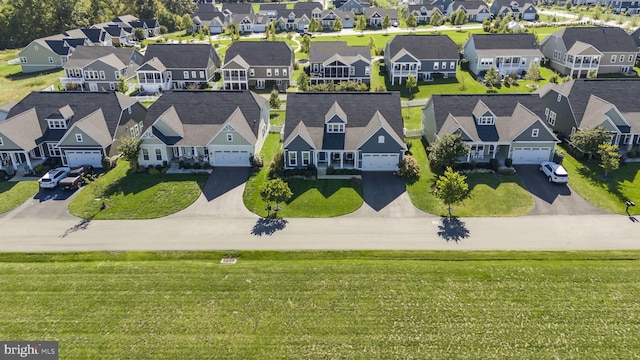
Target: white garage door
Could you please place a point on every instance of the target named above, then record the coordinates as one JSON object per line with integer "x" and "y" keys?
{"x": 530, "y": 155}
{"x": 231, "y": 158}
{"x": 84, "y": 157}
{"x": 380, "y": 162}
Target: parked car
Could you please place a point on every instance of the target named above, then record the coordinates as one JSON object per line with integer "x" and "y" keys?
{"x": 395, "y": 24}
{"x": 555, "y": 172}
{"x": 51, "y": 179}
{"x": 75, "y": 177}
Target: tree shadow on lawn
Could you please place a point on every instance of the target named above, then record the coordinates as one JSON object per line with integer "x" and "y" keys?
{"x": 325, "y": 187}
{"x": 268, "y": 226}
{"x": 452, "y": 229}
{"x": 613, "y": 182}
{"x": 25, "y": 76}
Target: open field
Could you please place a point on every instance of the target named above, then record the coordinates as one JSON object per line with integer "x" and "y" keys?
{"x": 352, "y": 305}
{"x": 14, "y": 85}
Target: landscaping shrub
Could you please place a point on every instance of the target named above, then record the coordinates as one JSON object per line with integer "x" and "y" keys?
{"x": 508, "y": 171}
{"x": 508, "y": 162}
{"x": 153, "y": 171}
{"x": 332, "y": 171}
{"x": 181, "y": 164}
{"x": 197, "y": 165}
{"x": 492, "y": 91}
{"x": 256, "y": 162}
{"x": 632, "y": 154}
{"x": 186, "y": 166}
{"x": 558, "y": 156}
{"x": 409, "y": 169}
{"x": 161, "y": 168}
{"x": 464, "y": 64}
{"x": 276, "y": 167}
{"x": 494, "y": 164}
{"x": 3, "y": 175}
{"x": 207, "y": 166}
{"x": 409, "y": 145}
{"x": 107, "y": 163}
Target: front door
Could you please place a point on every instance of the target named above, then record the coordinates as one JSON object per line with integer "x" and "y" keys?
{"x": 93, "y": 87}
{"x": 260, "y": 84}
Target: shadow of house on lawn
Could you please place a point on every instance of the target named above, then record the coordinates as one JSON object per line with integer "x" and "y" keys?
{"x": 268, "y": 226}
{"x": 453, "y": 229}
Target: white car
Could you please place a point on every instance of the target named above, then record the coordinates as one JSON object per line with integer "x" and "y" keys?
{"x": 51, "y": 179}
{"x": 554, "y": 172}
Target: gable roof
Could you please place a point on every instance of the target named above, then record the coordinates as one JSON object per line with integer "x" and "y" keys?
{"x": 182, "y": 56}
{"x": 505, "y": 41}
{"x": 636, "y": 37}
{"x": 471, "y": 6}
{"x": 424, "y": 46}
{"x": 116, "y": 57}
{"x": 237, "y": 8}
{"x": 304, "y": 5}
{"x": 264, "y": 53}
{"x": 22, "y": 129}
{"x": 370, "y": 11}
{"x": 605, "y": 39}
{"x": 95, "y": 126}
{"x": 94, "y": 35}
{"x": 321, "y": 51}
{"x": 207, "y": 12}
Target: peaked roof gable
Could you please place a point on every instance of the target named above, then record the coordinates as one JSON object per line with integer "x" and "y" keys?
{"x": 23, "y": 129}
{"x": 95, "y": 126}
{"x": 424, "y": 46}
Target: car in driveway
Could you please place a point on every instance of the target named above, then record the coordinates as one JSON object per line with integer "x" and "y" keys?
{"x": 51, "y": 179}
{"x": 556, "y": 173}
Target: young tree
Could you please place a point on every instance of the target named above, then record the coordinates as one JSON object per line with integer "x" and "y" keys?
{"x": 492, "y": 77}
{"x": 337, "y": 25}
{"x": 138, "y": 34}
{"x": 411, "y": 21}
{"x": 234, "y": 33}
{"x": 451, "y": 188}
{"x": 130, "y": 148}
{"x": 386, "y": 23}
{"x": 533, "y": 72}
{"x": 314, "y": 25}
{"x": 303, "y": 81}
{"x": 305, "y": 44}
{"x": 411, "y": 83}
{"x": 187, "y": 23}
{"x": 588, "y": 140}
{"x": 123, "y": 87}
{"x": 459, "y": 18}
{"x": 436, "y": 20}
{"x": 609, "y": 157}
{"x": 445, "y": 151}
{"x": 274, "y": 100}
{"x": 275, "y": 191}
{"x": 361, "y": 24}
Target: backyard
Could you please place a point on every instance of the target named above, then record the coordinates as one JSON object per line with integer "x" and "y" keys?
{"x": 14, "y": 85}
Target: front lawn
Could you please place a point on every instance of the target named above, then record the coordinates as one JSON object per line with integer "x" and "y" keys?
{"x": 14, "y": 193}
{"x": 136, "y": 196}
{"x": 311, "y": 198}
{"x": 585, "y": 177}
{"x": 491, "y": 195}
{"x": 326, "y": 305}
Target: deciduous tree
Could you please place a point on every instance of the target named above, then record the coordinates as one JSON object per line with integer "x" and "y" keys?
{"x": 130, "y": 148}
{"x": 445, "y": 151}
{"x": 588, "y": 140}
{"x": 451, "y": 188}
{"x": 609, "y": 157}
{"x": 386, "y": 23}
{"x": 276, "y": 191}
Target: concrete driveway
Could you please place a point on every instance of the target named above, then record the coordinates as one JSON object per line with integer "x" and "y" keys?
{"x": 46, "y": 204}
{"x": 385, "y": 195}
{"x": 553, "y": 199}
{"x": 222, "y": 195}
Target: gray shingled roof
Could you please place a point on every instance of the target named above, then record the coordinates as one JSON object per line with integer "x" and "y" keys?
{"x": 182, "y": 56}
{"x": 86, "y": 54}
{"x": 323, "y": 50}
{"x": 505, "y": 41}
{"x": 604, "y": 39}
{"x": 264, "y": 53}
{"x": 307, "y": 5}
{"x": 425, "y": 46}
{"x": 238, "y": 8}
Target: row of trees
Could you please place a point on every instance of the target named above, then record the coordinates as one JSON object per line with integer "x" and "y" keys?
{"x": 22, "y": 21}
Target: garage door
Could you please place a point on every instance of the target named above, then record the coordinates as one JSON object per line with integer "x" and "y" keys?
{"x": 530, "y": 155}
{"x": 85, "y": 157}
{"x": 231, "y": 158}
{"x": 380, "y": 162}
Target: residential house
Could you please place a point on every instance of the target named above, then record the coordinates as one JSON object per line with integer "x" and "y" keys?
{"x": 99, "y": 68}
{"x": 258, "y": 64}
{"x": 517, "y": 9}
{"x": 587, "y": 103}
{"x": 120, "y": 34}
{"x": 580, "y": 51}
{"x": 375, "y": 16}
{"x": 48, "y": 53}
{"x": 80, "y": 128}
{"x": 208, "y": 16}
{"x": 335, "y": 61}
{"x": 177, "y": 66}
{"x": 477, "y": 11}
{"x": 625, "y": 6}
{"x": 443, "y": 5}
{"x": 423, "y": 56}
{"x": 493, "y": 126}
{"x": 151, "y": 27}
{"x": 5, "y": 108}
{"x": 636, "y": 38}
{"x": 296, "y": 19}
{"x": 424, "y": 12}
{"x": 328, "y": 17}
{"x": 95, "y": 37}
{"x": 507, "y": 53}
{"x": 272, "y": 11}
{"x": 220, "y": 128}
{"x": 336, "y": 130}
{"x": 354, "y": 6}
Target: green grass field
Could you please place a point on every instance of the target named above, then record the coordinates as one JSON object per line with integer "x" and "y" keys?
{"x": 326, "y": 305}
{"x": 13, "y": 194}
{"x": 14, "y": 85}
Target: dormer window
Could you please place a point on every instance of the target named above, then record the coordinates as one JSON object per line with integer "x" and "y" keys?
{"x": 535, "y": 132}
{"x": 335, "y": 128}
{"x": 56, "y": 124}
{"x": 79, "y": 138}
{"x": 486, "y": 120}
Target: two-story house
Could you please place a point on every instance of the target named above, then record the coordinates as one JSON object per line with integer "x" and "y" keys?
{"x": 423, "y": 56}
{"x": 477, "y": 11}
{"x": 375, "y": 16}
{"x": 220, "y": 128}
{"x": 80, "y": 128}
{"x": 48, "y": 53}
{"x": 493, "y": 126}
{"x": 336, "y": 130}
{"x": 258, "y": 64}
{"x": 329, "y": 16}
{"x": 579, "y": 52}
{"x": 94, "y": 37}
{"x": 335, "y": 61}
{"x": 424, "y": 12}
{"x": 636, "y": 38}
{"x": 177, "y": 66}
{"x": 355, "y": 6}
{"x": 507, "y": 53}
{"x": 208, "y": 16}
{"x": 99, "y": 68}
{"x": 295, "y": 20}
{"x": 272, "y": 11}
{"x": 625, "y": 6}
{"x": 516, "y": 9}
{"x": 588, "y": 103}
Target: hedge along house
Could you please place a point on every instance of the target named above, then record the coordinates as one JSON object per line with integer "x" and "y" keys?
{"x": 220, "y": 128}
{"x": 344, "y": 130}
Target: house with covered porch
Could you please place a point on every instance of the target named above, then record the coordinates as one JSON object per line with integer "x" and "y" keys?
{"x": 336, "y": 130}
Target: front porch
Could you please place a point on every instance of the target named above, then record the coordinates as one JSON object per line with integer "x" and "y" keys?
{"x": 337, "y": 159}
{"x": 23, "y": 161}
{"x": 485, "y": 152}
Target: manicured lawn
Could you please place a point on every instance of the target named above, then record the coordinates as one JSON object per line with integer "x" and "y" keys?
{"x": 491, "y": 195}
{"x": 585, "y": 177}
{"x": 412, "y": 117}
{"x": 326, "y": 305}
{"x": 136, "y": 196}
{"x": 13, "y": 194}
{"x": 14, "y": 85}
{"x": 277, "y": 118}
{"x": 311, "y": 198}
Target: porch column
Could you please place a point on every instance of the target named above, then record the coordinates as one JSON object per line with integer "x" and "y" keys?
{"x": 195, "y": 153}
{"x": 13, "y": 160}
{"x": 341, "y": 159}
{"x": 469, "y": 154}
{"x": 28, "y": 160}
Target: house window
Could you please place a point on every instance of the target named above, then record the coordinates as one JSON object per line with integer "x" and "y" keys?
{"x": 381, "y": 139}
{"x": 367, "y": 70}
{"x": 306, "y": 156}
{"x": 252, "y": 72}
{"x": 145, "y": 154}
{"x": 1, "y": 142}
{"x": 53, "y": 150}
{"x": 444, "y": 65}
{"x": 335, "y": 128}
{"x": 613, "y": 59}
{"x": 268, "y": 72}
{"x": 159, "y": 154}
{"x": 559, "y": 97}
{"x": 284, "y": 72}
{"x": 57, "y": 124}
{"x": 102, "y": 75}
{"x": 486, "y": 61}
{"x": 185, "y": 74}
{"x": 546, "y": 112}
{"x": 486, "y": 120}
{"x": 201, "y": 74}
{"x": 141, "y": 125}
{"x": 229, "y": 137}
{"x": 112, "y": 86}
{"x": 23, "y": 59}
{"x": 50, "y": 59}
{"x": 79, "y": 137}
{"x": 117, "y": 74}
{"x": 436, "y": 66}
{"x": 352, "y": 71}
{"x": 630, "y": 58}
{"x": 551, "y": 118}
{"x": 129, "y": 110}
{"x": 621, "y": 58}
{"x": 535, "y": 132}
{"x": 276, "y": 72}
{"x": 452, "y": 65}
{"x": 556, "y": 54}
{"x": 293, "y": 158}
{"x": 132, "y": 132}
{"x": 626, "y": 139}
{"x": 36, "y": 48}
{"x": 193, "y": 75}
